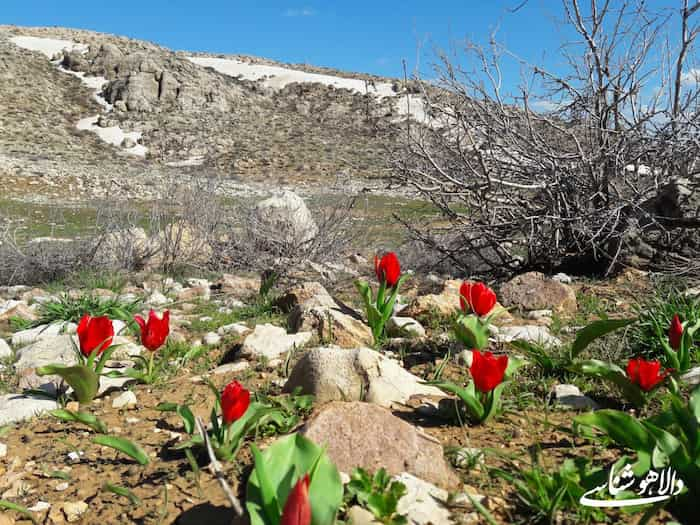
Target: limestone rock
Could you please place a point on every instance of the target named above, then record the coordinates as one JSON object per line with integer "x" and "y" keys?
{"x": 534, "y": 291}
{"x": 272, "y": 341}
{"x": 288, "y": 216}
{"x": 5, "y": 350}
{"x": 18, "y": 407}
{"x": 423, "y": 503}
{"x": 31, "y": 335}
{"x": 336, "y": 374}
{"x": 364, "y": 435}
{"x": 404, "y": 327}
{"x": 571, "y": 396}
{"x": 530, "y": 333}
{"x": 238, "y": 287}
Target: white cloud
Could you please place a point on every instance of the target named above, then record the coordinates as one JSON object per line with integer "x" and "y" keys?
{"x": 303, "y": 11}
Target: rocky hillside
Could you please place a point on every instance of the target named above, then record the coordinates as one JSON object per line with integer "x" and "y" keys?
{"x": 83, "y": 113}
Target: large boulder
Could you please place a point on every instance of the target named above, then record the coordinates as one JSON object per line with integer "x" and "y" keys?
{"x": 364, "y": 435}
{"x": 337, "y": 374}
{"x": 287, "y": 218}
{"x": 535, "y": 291}
{"x": 444, "y": 304}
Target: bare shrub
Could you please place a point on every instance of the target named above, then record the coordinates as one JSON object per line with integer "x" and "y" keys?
{"x": 572, "y": 168}
{"x": 253, "y": 241}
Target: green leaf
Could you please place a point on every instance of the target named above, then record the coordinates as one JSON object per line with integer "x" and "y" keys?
{"x": 84, "y": 381}
{"x": 268, "y": 494}
{"x": 596, "y": 329}
{"x": 8, "y": 505}
{"x": 284, "y": 462}
{"x": 621, "y": 428}
{"x": 122, "y": 491}
{"x": 614, "y": 374}
{"x": 80, "y": 417}
{"x": 131, "y": 449}
{"x": 471, "y": 331}
{"x": 467, "y": 395}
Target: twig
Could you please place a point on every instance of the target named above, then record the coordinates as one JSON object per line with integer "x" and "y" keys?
{"x": 216, "y": 470}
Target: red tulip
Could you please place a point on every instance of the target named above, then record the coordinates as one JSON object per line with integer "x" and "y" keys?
{"x": 297, "y": 509}
{"x": 94, "y": 333}
{"x": 675, "y": 333}
{"x": 646, "y": 374}
{"x": 480, "y": 298}
{"x": 155, "y": 331}
{"x": 234, "y": 401}
{"x": 487, "y": 370}
{"x": 388, "y": 269}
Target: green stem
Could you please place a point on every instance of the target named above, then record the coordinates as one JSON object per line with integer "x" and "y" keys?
{"x": 149, "y": 377}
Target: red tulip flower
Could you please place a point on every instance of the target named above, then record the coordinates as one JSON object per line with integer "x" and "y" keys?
{"x": 234, "y": 401}
{"x": 478, "y": 297}
{"x": 675, "y": 333}
{"x": 388, "y": 269}
{"x": 155, "y": 331}
{"x": 94, "y": 333}
{"x": 487, "y": 370}
{"x": 297, "y": 509}
{"x": 646, "y": 374}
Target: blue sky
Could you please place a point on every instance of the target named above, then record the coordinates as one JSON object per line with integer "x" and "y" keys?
{"x": 361, "y": 35}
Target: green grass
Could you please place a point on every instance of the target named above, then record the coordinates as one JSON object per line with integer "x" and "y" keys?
{"x": 72, "y": 309}
{"x": 262, "y": 311}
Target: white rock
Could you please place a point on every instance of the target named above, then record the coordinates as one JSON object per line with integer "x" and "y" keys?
{"x": 195, "y": 283}
{"x": 211, "y": 338}
{"x": 157, "y": 299}
{"x": 404, "y": 327}
{"x": 692, "y": 376}
{"x": 423, "y": 503}
{"x": 231, "y": 368}
{"x": 118, "y": 325}
{"x": 530, "y": 333}
{"x": 8, "y": 305}
{"x": 40, "y": 506}
{"x": 3, "y": 450}
{"x": 18, "y": 407}
{"x": 124, "y": 400}
{"x": 536, "y": 315}
{"x": 74, "y": 510}
{"x": 61, "y": 486}
{"x": 288, "y": 216}
{"x": 272, "y": 341}
{"x": 571, "y": 396}
{"x": 562, "y": 278}
{"x": 31, "y": 335}
{"x": 5, "y": 350}
{"x": 234, "y": 328}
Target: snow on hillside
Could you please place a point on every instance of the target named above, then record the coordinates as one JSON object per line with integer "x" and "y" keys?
{"x": 276, "y": 77}
{"x": 51, "y": 47}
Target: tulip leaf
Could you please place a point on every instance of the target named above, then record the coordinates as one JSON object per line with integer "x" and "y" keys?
{"x": 80, "y": 417}
{"x": 467, "y": 395}
{"x": 594, "y": 330}
{"x": 614, "y": 374}
{"x": 471, "y": 331}
{"x": 282, "y": 464}
{"x": 122, "y": 491}
{"x": 8, "y": 505}
{"x": 621, "y": 427}
{"x": 131, "y": 449}
{"x": 84, "y": 381}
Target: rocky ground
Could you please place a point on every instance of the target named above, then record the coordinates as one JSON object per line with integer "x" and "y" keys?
{"x": 192, "y": 120}
{"x": 370, "y": 407}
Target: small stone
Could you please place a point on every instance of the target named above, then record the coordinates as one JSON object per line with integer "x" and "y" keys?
{"x": 5, "y": 350}
{"x": 211, "y": 338}
{"x": 272, "y": 341}
{"x": 157, "y": 299}
{"x": 692, "y": 376}
{"x": 74, "y": 457}
{"x": 3, "y": 450}
{"x": 61, "y": 486}
{"x": 74, "y": 510}
{"x": 125, "y": 399}
{"x": 231, "y": 368}
{"x": 234, "y": 328}
{"x": 358, "y": 516}
{"x": 40, "y": 506}
{"x": 404, "y": 327}
{"x": 571, "y": 396}
{"x": 562, "y": 278}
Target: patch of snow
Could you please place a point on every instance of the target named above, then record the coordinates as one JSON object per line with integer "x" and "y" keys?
{"x": 48, "y": 46}
{"x": 276, "y": 77}
{"x": 94, "y": 83}
{"x": 113, "y": 135}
